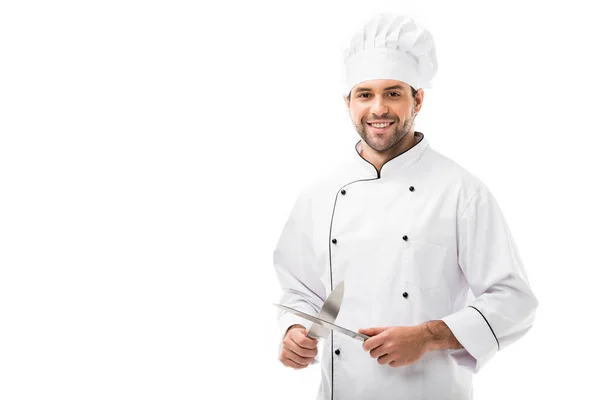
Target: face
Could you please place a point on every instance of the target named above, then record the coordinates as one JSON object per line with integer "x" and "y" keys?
{"x": 384, "y": 101}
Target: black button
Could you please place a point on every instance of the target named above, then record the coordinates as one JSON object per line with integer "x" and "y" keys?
{"x": 412, "y": 188}
{"x": 405, "y": 295}
{"x": 343, "y": 191}
{"x": 337, "y": 352}
{"x": 405, "y": 237}
{"x": 334, "y": 241}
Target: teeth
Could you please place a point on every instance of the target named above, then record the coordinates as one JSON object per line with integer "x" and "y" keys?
{"x": 381, "y": 125}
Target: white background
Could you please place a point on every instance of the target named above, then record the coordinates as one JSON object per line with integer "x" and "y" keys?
{"x": 150, "y": 153}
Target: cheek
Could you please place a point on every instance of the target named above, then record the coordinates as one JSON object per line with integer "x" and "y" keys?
{"x": 359, "y": 116}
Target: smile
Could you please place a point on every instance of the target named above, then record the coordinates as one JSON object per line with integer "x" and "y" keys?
{"x": 380, "y": 126}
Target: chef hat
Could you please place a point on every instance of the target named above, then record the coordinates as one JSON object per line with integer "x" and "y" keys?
{"x": 391, "y": 47}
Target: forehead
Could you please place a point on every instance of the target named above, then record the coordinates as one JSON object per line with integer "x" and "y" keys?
{"x": 380, "y": 84}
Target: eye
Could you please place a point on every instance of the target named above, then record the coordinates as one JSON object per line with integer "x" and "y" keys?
{"x": 396, "y": 94}
{"x": 360, "y": 94}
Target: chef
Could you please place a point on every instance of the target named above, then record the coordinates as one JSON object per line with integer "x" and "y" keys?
{"x": 430, "y": 268}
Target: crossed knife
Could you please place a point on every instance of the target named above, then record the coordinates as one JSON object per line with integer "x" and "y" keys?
{"x": 323, "y": 323}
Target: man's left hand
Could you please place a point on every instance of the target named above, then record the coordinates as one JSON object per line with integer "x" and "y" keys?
{"x": 398, "y": 345}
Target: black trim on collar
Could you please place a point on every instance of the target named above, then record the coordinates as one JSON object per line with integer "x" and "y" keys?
{"x": 379, "y": 170}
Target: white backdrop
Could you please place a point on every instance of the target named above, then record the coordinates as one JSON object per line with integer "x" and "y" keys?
{"x": 150, "y": 153}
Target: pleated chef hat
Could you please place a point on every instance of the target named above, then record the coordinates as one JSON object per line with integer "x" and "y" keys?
{"x": 391, "y": 47}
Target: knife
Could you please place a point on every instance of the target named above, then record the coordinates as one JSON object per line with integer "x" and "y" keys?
{"x": 325, "y": 324}
{"x": 329, "y": 312}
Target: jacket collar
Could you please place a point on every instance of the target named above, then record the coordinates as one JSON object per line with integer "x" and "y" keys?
{"x": 397, "y": 164}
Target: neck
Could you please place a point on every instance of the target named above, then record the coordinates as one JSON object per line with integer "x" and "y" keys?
{"x": 378, "y": 158}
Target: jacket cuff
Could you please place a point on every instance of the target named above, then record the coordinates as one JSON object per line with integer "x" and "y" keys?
{"x": 473, "y": 332}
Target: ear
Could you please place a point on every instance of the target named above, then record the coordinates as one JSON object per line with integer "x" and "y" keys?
{"x": 419, "y": 100}
{"x": 345, "y": 97}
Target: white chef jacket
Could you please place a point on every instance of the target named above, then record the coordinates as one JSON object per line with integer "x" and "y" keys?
{"x": 422, "y": 240}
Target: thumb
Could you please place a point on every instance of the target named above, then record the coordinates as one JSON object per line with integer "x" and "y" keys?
{"x": 303, "y": 331}
{"x": 372, "y": 331}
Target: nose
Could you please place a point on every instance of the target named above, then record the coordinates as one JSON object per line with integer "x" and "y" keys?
{"x": 379, "y": 107}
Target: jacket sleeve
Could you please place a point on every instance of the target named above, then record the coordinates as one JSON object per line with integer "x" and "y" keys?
{"x": 295, "y": 266}
{"x": 504, "y": 306}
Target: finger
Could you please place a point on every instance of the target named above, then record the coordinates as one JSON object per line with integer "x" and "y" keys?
{"x": 379, "y": 351}
{"x": 292, "y": 364}
{"x": 288, "y": 362}
{"x": 398, "y": 363}
{"x": 301, "y": 351}
{"x": 288, "y": 343}
{"x": 372, "y": 331}
{"x": 298, "y": 359}
{"x": 304, "y": 341}
{"x": 287, "y": 353}
{"x": 374, "y": 341}
{"x": 385, "y": 359}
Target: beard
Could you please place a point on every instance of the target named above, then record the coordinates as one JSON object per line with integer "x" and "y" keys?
{"x": 387, "y": 141}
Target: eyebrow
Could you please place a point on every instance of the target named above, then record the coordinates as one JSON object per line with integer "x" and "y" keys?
{"x": 387, "y": 88}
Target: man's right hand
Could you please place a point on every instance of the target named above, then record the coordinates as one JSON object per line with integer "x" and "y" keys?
{"x": 298, "y": 350}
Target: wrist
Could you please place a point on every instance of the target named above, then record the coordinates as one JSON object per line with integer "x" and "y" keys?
{"x": 429, "y": 336}
{"x": 439, "y": 337}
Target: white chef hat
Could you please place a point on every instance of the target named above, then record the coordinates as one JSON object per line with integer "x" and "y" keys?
{"x": 391, "y": 47}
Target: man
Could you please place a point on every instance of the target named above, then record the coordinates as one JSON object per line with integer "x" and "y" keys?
{"x": 430, "y": 269}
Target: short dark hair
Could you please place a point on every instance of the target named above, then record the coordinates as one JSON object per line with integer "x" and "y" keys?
{"x": 413, "y": 90}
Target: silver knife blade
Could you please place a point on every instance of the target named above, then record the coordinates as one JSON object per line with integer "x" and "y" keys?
{"x": 326, "y": 324}
{"x": 329, "y": 312}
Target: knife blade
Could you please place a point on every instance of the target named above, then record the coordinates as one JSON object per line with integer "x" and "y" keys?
{"x": 326, "y": 324}
{"x": 329, "y": 312}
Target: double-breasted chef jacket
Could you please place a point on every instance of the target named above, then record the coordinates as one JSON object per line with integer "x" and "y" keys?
{"x": 422, "y": 240}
